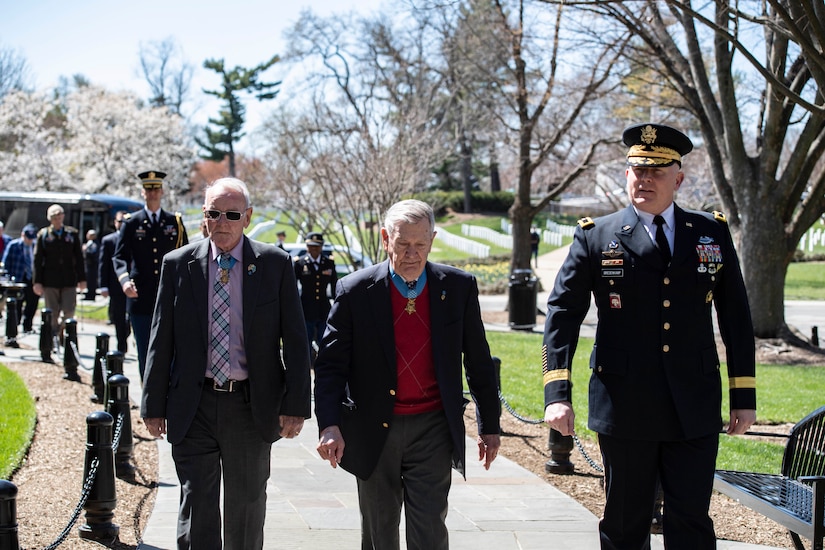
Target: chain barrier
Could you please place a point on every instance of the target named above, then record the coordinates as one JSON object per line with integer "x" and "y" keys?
{"x": 77, "y": 357}
{"x": 593, "y": 464}
{"x": 121, "y": 418}
{"x": 84, "y": 496}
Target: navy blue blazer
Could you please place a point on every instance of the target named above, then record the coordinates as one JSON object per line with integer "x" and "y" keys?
{"x": 655, "y": 368}
{"x": 272, "y": 321}
{"x": 357, "y": 355}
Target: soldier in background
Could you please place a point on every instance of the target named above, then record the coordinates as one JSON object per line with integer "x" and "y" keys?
{"x": 91, "y": 256}
{"x": 146, "y": 236}
{"x": 281, "y": 239}
{"x": 316, "y": 273}
{"x": 110, "y": 287}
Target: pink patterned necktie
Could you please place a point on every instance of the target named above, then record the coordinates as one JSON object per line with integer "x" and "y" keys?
{"x": 220, "y": 320}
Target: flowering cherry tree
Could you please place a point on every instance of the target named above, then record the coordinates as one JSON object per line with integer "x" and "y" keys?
{"x": 91, "y": 141}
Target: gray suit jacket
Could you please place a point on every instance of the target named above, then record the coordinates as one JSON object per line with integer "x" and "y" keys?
{"x": 272, "y": 320}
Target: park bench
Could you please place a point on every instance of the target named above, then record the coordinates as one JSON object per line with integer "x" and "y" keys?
{"x": 795, "y": 498}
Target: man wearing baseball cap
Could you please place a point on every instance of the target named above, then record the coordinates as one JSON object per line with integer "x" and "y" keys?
{"x": 18, "y": 257}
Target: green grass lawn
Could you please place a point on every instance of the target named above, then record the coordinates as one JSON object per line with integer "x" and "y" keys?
{"x": 784, "y": 394}
{"x": 805, "y": 281}
{"x": 16, "y": 423}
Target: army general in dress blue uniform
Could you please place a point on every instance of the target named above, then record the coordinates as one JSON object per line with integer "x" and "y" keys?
{"x": 656, "y": 272}
{"x": 145, "y": 237}
{"x": 317, "y": 275}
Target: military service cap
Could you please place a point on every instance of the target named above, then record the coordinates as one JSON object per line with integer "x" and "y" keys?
{"x": 655, "y": 145}
{"x": 152, "y": 179}
{"x": 315, "y": 239}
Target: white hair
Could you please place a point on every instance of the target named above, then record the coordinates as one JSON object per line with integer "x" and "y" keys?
{"x": 408, "y": 211}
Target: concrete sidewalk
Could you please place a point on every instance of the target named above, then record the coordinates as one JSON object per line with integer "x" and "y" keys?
{"x": 311, "y": 504}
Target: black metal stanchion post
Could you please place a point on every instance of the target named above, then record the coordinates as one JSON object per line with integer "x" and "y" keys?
{"x": 120, "y": 409}
{"x": 8, "y": 516}
{"x": 560, "y": 448}
{"x": 70, "y": 361}
{"x": 11, "y": 322}
{"x": 102, "y": 499}
{"x": 114, "y": 365}
{"x": 98, "y": 382}
{"x": 46, "y": 336}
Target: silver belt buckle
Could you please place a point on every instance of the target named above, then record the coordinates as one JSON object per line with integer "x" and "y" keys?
{"x": 217, "y": 387}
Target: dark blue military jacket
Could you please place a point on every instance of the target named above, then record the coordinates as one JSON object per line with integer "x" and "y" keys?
{"x": 655, "y": 368}
{"x": 139, "y": 252}
{"x": 315, "y": 298}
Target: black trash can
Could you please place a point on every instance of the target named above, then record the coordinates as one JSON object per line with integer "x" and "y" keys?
{"x": 523, "y": 290}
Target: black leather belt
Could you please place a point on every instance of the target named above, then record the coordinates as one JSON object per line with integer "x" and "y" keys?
{"x": 229, "y": 386}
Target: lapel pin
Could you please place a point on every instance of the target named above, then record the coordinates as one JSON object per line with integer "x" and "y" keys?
{"x": 443, "y": 295}
{"x": 250, "y": 269}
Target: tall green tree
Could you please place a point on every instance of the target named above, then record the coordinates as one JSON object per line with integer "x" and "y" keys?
{"x": 227, "y": 128}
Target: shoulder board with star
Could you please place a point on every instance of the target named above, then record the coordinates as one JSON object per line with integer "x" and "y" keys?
{"x": 719, "y": 216}
{"x": 586, "y": 222}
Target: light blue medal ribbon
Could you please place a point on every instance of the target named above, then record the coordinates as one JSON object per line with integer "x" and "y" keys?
{"x": 401, "y": 285}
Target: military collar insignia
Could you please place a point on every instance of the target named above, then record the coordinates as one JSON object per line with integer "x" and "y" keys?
{"x": 625, "y": 228}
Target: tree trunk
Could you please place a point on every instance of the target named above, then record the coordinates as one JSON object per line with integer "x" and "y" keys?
{"x": 467, "y": 173}
{"x": 764, "y": 259}
{"x": 521, "y": 216}
{"x": 495, "y": 177}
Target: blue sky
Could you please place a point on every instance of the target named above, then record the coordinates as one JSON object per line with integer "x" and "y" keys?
{"x": 101, "y": 39}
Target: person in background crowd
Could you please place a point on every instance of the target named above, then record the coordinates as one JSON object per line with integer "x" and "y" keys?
{"x": 281, "y": 239}
{"x": 655, "y": 272}
{"x": 110, "y": 287}
{"x": 91, "y": 257}
{"x": 397, "y": 337}
{"x": 535, "y": 239}
{"x": 4, "y": 241}
{"x": 18, "y": 260}
{"x": 228, "y": 372}
{"x": 58, "y": 271}
{"x": 146, "y": 236}
{"x": 317, "y": 276}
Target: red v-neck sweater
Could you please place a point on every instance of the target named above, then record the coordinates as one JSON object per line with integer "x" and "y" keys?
{"x": 417, "y": 390}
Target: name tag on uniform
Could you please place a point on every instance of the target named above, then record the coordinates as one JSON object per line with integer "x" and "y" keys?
{"x": 612, "y": 272}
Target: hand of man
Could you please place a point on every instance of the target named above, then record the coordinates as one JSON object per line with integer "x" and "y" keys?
{"x": 37, "y": 288}
{"x": 81, "y": 285}
{"x": 129, "y": 289}
{"x": 104, "y": 292}
{"x": 331, "y": 445}
{"x": 290, "y": 425}
{"x": 156, "y": 426}
{"x": 740, "y": 421}
{"x": 560, "y": 417}
{"x": 488, "y": 445}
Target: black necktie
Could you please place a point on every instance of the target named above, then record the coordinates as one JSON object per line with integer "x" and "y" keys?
{"x": 661, "y": 239}
{"x": 154, "y": 219}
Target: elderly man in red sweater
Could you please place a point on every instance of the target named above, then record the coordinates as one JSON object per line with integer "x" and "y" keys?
{"x": 392, "y": 352}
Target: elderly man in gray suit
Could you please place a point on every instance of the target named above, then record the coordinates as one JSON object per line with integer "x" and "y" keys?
{"x": 217, "y": 382}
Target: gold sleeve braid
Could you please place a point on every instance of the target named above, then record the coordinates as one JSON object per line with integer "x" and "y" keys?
{"x": 179, "y": 220}
{"x": 552, "y": 375}
{"x": 742, "y": 382}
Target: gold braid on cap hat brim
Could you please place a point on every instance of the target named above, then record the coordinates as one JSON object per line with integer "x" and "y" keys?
{"x": 653, "y": 154}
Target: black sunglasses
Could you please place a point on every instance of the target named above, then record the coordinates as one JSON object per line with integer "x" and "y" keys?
{"x": 230, "y": 215}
